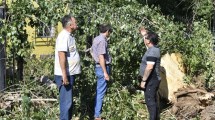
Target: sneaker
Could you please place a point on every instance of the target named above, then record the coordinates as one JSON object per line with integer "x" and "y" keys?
{"x": 98, "y": 118}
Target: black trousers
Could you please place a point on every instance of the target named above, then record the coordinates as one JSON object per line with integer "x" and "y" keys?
{"x": 150, "y": 94}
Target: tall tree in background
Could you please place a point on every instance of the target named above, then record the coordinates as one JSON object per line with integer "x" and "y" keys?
{"x": 22, "y": 13}
{"x": 2, "y": 51}
{"x": 126, "y": 45}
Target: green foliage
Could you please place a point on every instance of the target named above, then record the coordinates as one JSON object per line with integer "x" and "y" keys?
{"x": 126, "y": 48}
{"x": 199, "y": 49}
{"x": 26, "y": 105}
{"x": 203, "y": 8}
{"x": 26, "y": 109}
{"x": 36, "y": 68}
{"x": 124, "y": 104}
{"x": 23, "y": 13}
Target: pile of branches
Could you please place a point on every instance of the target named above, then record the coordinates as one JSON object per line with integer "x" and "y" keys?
{"x": 35, "y": 94}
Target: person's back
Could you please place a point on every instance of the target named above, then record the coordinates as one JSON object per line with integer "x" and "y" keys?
{"x": 100, "y": 46}
{"x": 102, "y": 66}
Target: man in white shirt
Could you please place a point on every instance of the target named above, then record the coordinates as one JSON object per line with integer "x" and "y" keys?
{"x": 67, "y": 65}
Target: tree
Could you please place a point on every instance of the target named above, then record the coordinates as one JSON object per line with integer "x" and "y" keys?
{"x": 2, "y": 53}
{"x": 126, "y": 46}
{"x": 22, "y": 13}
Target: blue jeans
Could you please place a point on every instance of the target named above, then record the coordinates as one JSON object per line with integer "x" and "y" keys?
{"x": 65, "y": 92}
{"x": 101, "y": 89}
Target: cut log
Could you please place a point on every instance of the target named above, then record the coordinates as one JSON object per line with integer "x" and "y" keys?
{"x": 187, "y": 101}
{"x": 172, "y": 74}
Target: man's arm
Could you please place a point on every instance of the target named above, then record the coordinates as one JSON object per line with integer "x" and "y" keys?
{"x": 146, "y": 74}
{"x": 62, "y": 61}
{"x": 102, "y": 64}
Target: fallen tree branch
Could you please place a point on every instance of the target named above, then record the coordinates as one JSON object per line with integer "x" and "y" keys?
{"x": 35, "y": 100}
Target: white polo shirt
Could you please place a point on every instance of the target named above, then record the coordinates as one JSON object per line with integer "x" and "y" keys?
{"x": 65, "y": 42}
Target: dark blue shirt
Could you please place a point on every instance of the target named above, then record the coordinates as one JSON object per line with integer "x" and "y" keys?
{"x": 151, "y": 55}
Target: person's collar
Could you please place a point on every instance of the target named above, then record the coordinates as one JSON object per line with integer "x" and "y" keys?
{"x": 67, "y": 31}
{"x": 101, "y": 34}
{"x": 156, "y": 46}
{"x": 150, "y": 46}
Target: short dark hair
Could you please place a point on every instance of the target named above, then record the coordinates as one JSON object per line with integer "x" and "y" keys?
{"x": 153, "y": 37}
{"x": 105, "y": 27}
{"x": 65, "y": 20}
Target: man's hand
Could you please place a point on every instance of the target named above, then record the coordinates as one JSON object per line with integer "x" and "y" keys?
{"x": 142, "y": 84}
{"x": 106, "y": 76}
{"x": 65, "y": 81}
{"x": 102, "y": 64}
{"x": 143, "y": 31}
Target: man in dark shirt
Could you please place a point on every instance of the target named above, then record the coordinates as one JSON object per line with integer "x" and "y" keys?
{"x": 149, "y": 72}
{"x": 102, "y": 68}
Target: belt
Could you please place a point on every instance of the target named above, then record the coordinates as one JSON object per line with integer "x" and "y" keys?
{"x": 98, "y": 65}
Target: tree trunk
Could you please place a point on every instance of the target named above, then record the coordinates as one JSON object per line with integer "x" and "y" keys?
{"x": 172, "y": 74}
{"x": 20, "y": 64}
{"x": 2, "y": 53}
{"x": 2, "y": 67}
{"x": 213, "y": 28}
